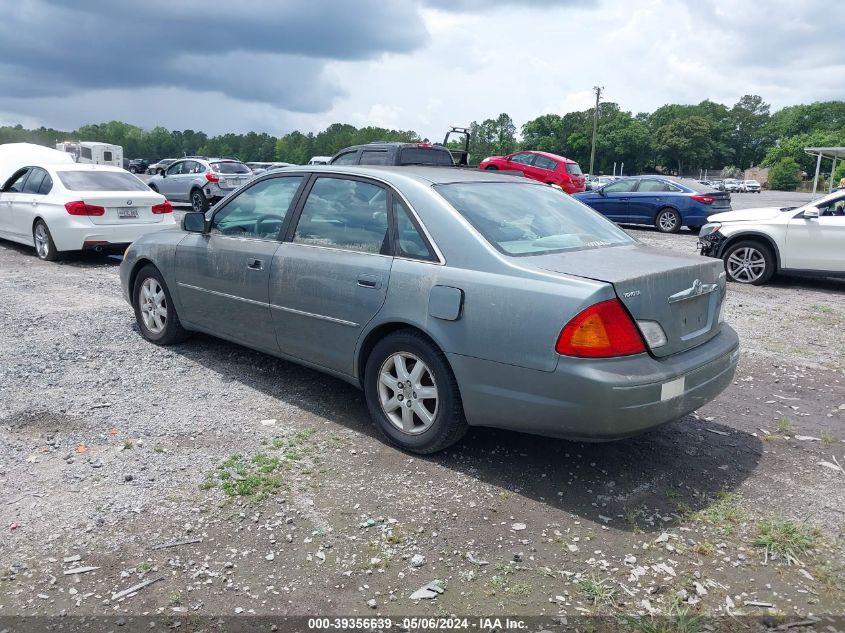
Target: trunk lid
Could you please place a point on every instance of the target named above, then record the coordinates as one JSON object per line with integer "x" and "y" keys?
{"x": 682, "y": 293}
{"x": 721, "y": 200}
{"x": 127, "y": 207}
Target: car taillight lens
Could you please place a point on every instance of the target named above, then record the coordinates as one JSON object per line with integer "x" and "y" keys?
{"x": 80, "y": 208}
{"x": 601, "y": 331}
{"x": 704, "y": 199}
{"x": 164, "y": 207}
{"x": 212, "y": 177}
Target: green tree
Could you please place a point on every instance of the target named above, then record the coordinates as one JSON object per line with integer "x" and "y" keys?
{"x": 750, "y": 138}
{"x": 685, "y": 141}
{"x": 785, "y": 175}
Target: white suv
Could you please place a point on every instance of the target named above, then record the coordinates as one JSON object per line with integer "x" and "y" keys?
{"x": 752, "y": 186}
{"x": 757, "y": 243}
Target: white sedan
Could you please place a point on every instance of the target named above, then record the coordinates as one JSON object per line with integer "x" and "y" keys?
{"x": 757, "y": 243}
{"x": 70, "y": 207}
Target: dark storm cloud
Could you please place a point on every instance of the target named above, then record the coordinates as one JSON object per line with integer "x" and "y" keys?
{"x": 269, "y": 51}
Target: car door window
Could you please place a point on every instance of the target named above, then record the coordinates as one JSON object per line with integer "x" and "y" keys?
{"x": 373, "y": 157}
{"x": 621, "y": 186}
{"x": 346, "y": 214}
{"x": 545, "y": 163}
{"x": 345, "y": 159}
{"x": 46, "y": 185}
{"x": 409, "y": 240}
{"x": 16, "y": 182}
{"x": 835, "y": 206}
{"x": 175, "y": 170}
{"x": 650, "y": 186}
{"x": 522, "y": 159}
{"x": 33, "y": 183}
{"x": 259, "y": 211}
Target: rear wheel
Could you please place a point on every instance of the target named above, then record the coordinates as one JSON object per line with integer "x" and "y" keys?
{"x": 154, "y": 310}
{"x": 749, "y": 262}
{"x": 45, "y": 248}
{"x": 133, "y": 170}
{"x": 667, "y": 221}
{"x": 412, "y": 394}
{"x": 199, "y": 203}
{"x": 491, "y": 167}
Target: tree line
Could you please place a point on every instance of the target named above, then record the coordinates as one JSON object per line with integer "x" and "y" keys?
{"x": 674, "y": 138}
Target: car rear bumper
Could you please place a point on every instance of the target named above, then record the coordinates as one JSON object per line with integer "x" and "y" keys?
{"x": 78, "y": 236}
{"x": 596, "y": 399}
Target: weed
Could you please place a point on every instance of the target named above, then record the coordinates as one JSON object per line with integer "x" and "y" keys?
{"x": 256, "y": 478}
{"x": 827, "y": 438}
{"x": 822, "y": 308}
{"x": 521, "y": 589}
{"x": 784, "y": 539}
{"x": 144, "y": 567}
{"x": 723, "y": 512}
{"x": 496, "y": 584}
{"x": 678, "y": 620}
{"x": 704, "y": 548}
{"x": 395, "y": 535}
{"x": 598, "y": 592}
{"x": 176, "y": 600}
{"x": 158, "y": 449}
{"x": 128, "y": 445}
{"x": 784, "y": 426}
{"x": 631, "y": 518}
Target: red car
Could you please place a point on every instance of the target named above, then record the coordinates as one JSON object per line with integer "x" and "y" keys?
{"x": 543, "y": 166}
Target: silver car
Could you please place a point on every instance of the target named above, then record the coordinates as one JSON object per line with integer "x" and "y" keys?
{"x": 453, "y": 298}
{"x": 200, "y": 181}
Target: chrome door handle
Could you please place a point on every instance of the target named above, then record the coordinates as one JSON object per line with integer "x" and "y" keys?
{"x": 255, "y": 264}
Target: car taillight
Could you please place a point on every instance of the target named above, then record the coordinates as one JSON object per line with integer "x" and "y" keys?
{"x": 601, "y": 331}
{"x": 81, "y": 208}
{"x": 164, "y": 207}
{"x": 704, "y": 199}
{"x": 212, "y": 177}
{"x": 423, "y": 144}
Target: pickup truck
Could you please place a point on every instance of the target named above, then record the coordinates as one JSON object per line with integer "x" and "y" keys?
{"x": 397, "y": 153}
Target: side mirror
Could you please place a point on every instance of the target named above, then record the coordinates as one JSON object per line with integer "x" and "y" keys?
{"x": 193, "y": 222}
{"x": 811, "y": 212}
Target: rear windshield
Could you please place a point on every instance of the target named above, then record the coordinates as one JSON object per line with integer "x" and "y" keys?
{"x": 230, "y": 167}
{"x": 100, "y": 181}
{"x": 425, "y": 156}
{"x": 525, "y": 219}
{"x": 574, "y": 169}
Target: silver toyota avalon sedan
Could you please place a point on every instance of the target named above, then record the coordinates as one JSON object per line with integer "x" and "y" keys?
{"x": 452, "y": 297}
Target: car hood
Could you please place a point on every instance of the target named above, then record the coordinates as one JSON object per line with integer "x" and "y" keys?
{"x": 746, "y": 215}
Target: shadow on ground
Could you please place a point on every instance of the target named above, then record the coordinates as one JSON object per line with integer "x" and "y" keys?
{"x": 69, "y": 258}
{"x": 642, "y": 483}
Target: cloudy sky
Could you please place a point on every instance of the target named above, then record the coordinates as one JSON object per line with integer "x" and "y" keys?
{"x": 278, "y": 65}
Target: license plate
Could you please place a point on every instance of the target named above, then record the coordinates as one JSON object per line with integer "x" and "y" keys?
{"x": 127, "y": 212}
{"x": 234, "y": 182}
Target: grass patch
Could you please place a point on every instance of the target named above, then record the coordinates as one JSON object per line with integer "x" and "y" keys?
{"x": 158, "y": 449}
{"x": 597, "y": 592}
{"x": 678, "y": 620}
{"x": 786, "y": 540}
{"x": 255, "y": 478}
{"x": 128, "y": 445}
{"x": 632, "y": 519}
{"x": 784, "y": 426}
{"x": 724, "y": 512}
{"x": 826, "y": 438}
{"x": 704, "y": 549}
{"x": 818, "y": 307}
{"x": 144, "y": 567}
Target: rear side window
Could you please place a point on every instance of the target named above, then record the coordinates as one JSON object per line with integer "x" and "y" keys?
{"x": 46, "y": 185}
{"x": 574, "y": 169}
{"x": 545, "y": 163}
{"x": 345, "y": 214}
{"x": 425, "y": 156}
{"x": 33, "y": 183}
{"x": 230, "y": 167}
{"x": 373, "y": 157}
{"x": 409, "y": 240}
{"x": 101, "y": 181}
{"x": 524, "y": 219}
{"x": 344, "y": 159}
{"x": 653, "y": 186}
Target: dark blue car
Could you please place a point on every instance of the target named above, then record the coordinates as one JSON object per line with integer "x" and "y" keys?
{"x": 662, "y": 203}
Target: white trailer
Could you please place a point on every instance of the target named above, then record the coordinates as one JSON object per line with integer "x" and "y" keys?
{"x": 93, "y": 152}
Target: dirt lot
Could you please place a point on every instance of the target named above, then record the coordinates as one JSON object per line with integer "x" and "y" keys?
{"x": 272, "y": 493}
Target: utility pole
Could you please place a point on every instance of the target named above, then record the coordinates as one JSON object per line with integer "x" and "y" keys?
{"x": 598, "y": 90}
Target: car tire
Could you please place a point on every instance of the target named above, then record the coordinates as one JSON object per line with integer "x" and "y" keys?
{"x": 133, "y": 170}
{"x": 749, "y": 262}
{"x": 491, "y": 168}
{"x": 694, "y": 228}
{"x": 45, "y": 247}
{"x": 199, "y": 203}
{"x": 154, "y": 310}
{"x": 667, "y": 220}
{"x": 429, "y": 424}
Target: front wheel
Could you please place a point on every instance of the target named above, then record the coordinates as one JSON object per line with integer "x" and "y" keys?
{"x": 667, "y": 221}
{"x": 45, "y": 247}
{"x": 154, "y": 310}
{"x": 749, "y": 262}
{"x": 199, "y": 203}
{"x": 412, "y": 394}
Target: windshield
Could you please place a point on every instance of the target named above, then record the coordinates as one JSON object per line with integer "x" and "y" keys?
{"x": 101, "y": 181}
{"x": 230, "y": 167}
{"x": 524, "y": 219}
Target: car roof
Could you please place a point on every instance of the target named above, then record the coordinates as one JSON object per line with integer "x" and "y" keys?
{"x": 420, "y": 173}
{"x": 547, "y": 155}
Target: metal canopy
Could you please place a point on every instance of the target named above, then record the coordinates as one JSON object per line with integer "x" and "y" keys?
{"x": 831, "y": 153}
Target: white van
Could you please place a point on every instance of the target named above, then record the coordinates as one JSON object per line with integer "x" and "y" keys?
{"x": 93, "y": 153}
{"x": 319, "y": 160}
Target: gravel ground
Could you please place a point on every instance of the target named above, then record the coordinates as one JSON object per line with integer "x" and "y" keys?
{"x": 111, "y": 447}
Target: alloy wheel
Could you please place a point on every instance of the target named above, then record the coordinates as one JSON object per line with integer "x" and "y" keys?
{"x": 667, "y": 221}
{"x": 42, "y": 241}
{"x": 746, "y": 264}
{"x": 153, "y": 305}
{"x": 408, "y": 393}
